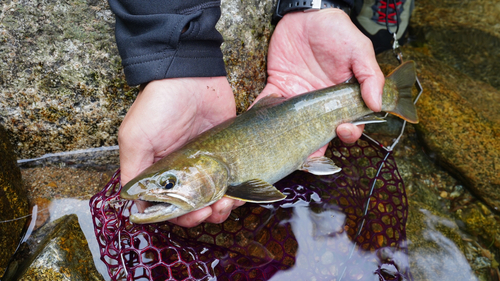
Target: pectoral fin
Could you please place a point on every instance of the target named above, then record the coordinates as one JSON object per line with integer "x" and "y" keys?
{"x": 320, "y": 166}
{"x": 255, "y": 191}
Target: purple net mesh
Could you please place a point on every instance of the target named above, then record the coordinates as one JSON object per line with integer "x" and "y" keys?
{"x": 258, "y": 241}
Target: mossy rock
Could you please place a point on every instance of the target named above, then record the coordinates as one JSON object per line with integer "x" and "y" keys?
{"x": 463, "y": 34}
{"x": 459, "y": 122}
{"x": 61, "y": 253}
{"x": 13, "y": 202}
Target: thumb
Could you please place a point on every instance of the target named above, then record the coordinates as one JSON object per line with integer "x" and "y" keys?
{"x": 370, "y": 77}
{"x": 136, "y": 153}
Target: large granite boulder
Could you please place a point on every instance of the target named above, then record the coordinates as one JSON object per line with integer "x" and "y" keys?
{"x": 246, "y": 27}
{"x": 61, "y": 76}
{"x": 13, "y": 202}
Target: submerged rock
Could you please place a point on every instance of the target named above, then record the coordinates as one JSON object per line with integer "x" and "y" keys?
{"x": 13, "y": 202}
{"x": 447, "y": 239}
{"x": 437, "y": 251}
{"x": 59, "y": 252}
{"x": 464, "y": 34}
{"x": 461, "y": 135}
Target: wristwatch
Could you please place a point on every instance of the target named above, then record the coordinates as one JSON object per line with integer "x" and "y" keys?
{"x": 287, "y": 6}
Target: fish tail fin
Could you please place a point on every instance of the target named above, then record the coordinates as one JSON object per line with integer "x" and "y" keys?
{"x": 403, "y": 78}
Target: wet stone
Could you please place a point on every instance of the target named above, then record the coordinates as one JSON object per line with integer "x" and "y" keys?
{"x": 458, "y": 227}
{"x": 439, "y": 249}
{"x": 455, "y": 131}
{"x": 464, "y": 34}
{"x": 59, "y": 251}
{"x": 13, "y": 202}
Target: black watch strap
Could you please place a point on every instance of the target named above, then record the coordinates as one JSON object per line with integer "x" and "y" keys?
{"x": 287, "y": 6}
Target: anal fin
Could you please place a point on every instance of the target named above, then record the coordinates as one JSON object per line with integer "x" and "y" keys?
{"x": 255, "y": 191}
{"x": 320, "y": 166}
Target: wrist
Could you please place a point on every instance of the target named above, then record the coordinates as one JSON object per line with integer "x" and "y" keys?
{"x": 287, "y": 6}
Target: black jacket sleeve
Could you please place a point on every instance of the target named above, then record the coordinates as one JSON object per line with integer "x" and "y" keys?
{"x": 166, "y": 39}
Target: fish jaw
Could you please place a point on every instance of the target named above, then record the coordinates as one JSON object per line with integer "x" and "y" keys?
{"x": 158, "y": 213}
{"x": 164, "y": 206}
{"x": 161, "y": 204}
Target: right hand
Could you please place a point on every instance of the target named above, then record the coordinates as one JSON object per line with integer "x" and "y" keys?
{"x": 317, "y": 49}
{"x": 165, "y": 115}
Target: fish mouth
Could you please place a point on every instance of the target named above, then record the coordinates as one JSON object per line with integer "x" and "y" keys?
{"x": 160, "y": 207}
{"x": 157, "y": 212}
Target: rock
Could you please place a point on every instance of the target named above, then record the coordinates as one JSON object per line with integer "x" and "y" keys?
{"x": 481, "y": 222}
{"x": 436, "y": 249}
{"x": 59, "y": 252}
{"x": 62, "y": 78}
{"x": 448, "y": 228}
{"x": 13, "y": 202}
{"x": 454, "y": 129}
{"x": 464, "y": 34}
{"x": 246, "y": 27}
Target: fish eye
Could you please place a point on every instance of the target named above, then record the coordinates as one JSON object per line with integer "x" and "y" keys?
{"x": 168, "y": 182}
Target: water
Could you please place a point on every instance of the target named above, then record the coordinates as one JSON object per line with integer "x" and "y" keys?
{"x": 317, "y": 228}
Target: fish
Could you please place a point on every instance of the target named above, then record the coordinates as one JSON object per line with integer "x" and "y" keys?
{"x": 244, "y": 156}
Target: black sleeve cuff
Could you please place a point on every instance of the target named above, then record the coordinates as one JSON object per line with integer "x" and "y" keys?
{"x": 153, "y": 46}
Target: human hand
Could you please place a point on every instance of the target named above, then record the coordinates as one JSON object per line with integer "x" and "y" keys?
{"x": 165, "y": 115}
{"x": 314, "y": 50}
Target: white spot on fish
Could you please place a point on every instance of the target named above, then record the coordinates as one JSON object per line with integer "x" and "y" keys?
{"x": 332, "y": 105}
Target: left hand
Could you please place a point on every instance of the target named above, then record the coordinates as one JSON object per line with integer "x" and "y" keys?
{"x": 166, "y": 114}
{"x": 314, "y": 50}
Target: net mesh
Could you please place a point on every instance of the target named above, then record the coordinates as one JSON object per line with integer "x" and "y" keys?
{"x": 257, "y": 241}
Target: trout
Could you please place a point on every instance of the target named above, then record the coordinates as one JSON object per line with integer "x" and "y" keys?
{"x": 243, "y": 157}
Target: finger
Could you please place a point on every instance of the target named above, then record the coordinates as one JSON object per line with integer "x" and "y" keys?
{"x": 222, "y": 209}
{"x": 238, "y": 203}
{"x": 371, "y": 91}
{"x": 193, "y": 218}
{"x": 135, "y": 155}
{"x": 141, "y": 205}
{"x": 370, "y": 77}
{"x": 349, "y": 133}
{"x": 320, "y": 152}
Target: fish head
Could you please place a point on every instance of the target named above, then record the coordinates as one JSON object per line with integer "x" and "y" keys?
{"x": 182, "y": 186}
